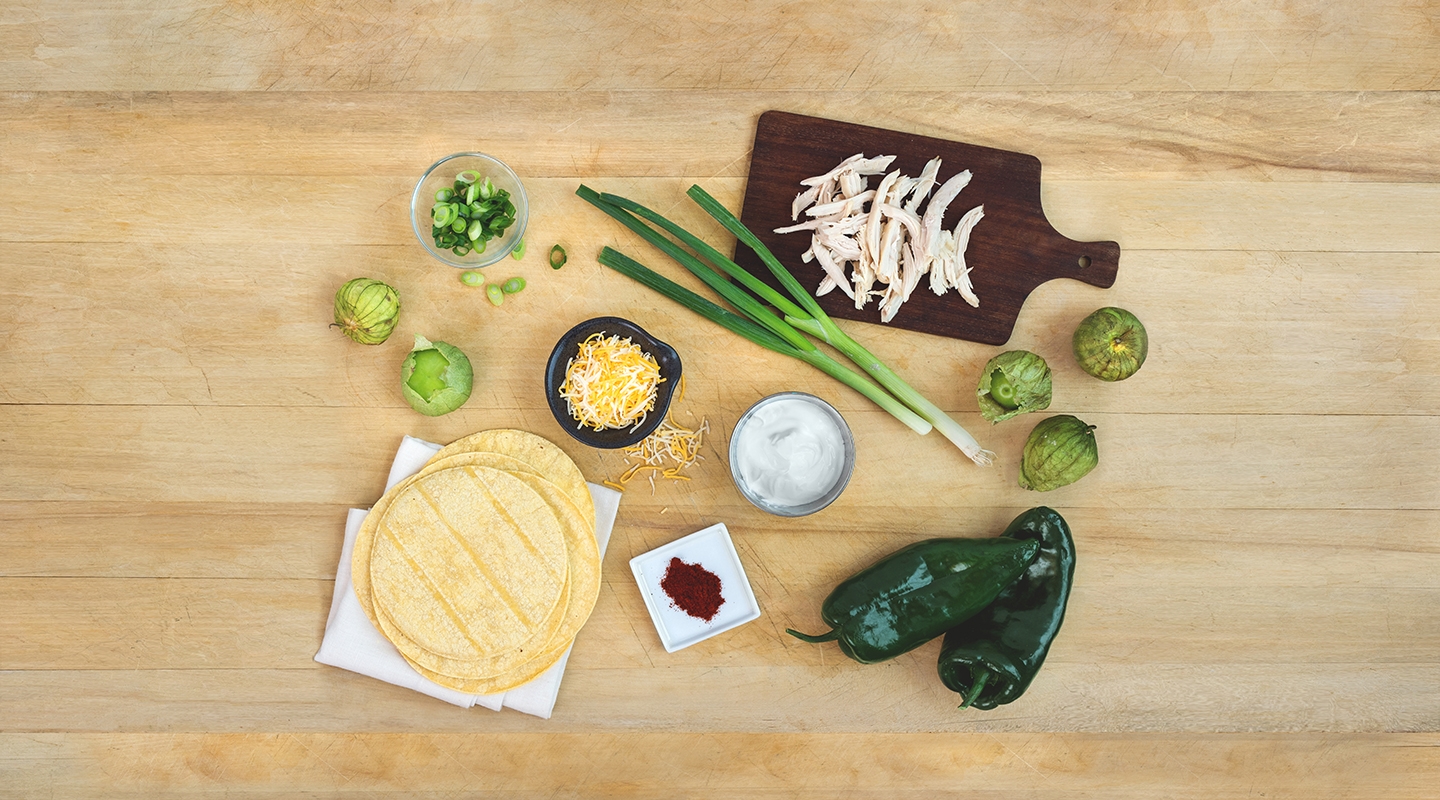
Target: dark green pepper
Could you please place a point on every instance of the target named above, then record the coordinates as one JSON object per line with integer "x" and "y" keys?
{"x": 917, "y": 593}
{"x": 991, "y": 657}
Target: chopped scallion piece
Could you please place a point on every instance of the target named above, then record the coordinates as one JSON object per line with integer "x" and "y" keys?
{"x": 519, "y": 251}
{"x": 471, "y": 213}
{"x": 472, "y": 278}
{"x": 495, "y": 294}
{"x": 557, "y": 257}
{"x": 513, "y": 286}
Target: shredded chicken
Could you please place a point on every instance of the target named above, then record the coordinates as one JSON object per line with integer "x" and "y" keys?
{"x": 881, "y": 234}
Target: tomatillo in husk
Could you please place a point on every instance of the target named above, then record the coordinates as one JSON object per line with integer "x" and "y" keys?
{"x": 1060, "y": 451}
{"x": 367, "y": 310}
{"x": 436, "y": 377}
{"x": 1013, "y": 383}
{"x": 1111, "y": 344}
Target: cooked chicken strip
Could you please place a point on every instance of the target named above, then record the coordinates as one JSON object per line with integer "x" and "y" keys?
{"x": 830, "y": 176}
{"x": 842, "y": 207}
{"x": 960, "y": 274}
{"x": 923, "y": 185}
{"x": 935, "y": 213}
{"x": 803, "y": 200}
{"x": 832, "y": 270}
{"x": 942, "y": 254}
{"x": 870, "y": 244}
{"x": 914, "y": 268}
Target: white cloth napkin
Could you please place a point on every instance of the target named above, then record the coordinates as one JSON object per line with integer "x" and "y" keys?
{"x": 352, "y": 642}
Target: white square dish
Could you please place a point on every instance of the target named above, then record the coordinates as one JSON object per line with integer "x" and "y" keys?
{"x": 712, "y": 549}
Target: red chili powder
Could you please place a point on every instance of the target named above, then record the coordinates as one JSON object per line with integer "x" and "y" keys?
{"x": 693, "y": 589}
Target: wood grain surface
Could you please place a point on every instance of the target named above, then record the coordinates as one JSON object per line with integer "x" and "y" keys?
{"x": 184, "y": 185}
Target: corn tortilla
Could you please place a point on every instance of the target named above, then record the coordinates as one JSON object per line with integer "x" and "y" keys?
{"x": 584, "y": 584}
{"x": 468, "y": 562}
{"x": 550, "y": 472}
{"x": 549, "y": 461}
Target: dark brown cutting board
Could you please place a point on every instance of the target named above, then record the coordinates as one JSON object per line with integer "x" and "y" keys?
{"x": 1012, "y": 250}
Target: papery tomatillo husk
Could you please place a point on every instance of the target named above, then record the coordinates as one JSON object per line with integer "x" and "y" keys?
{"x": 1060, "y": 451}
{"x": 367, "y": 310}
{"x": 436, "y": 377}
{"x": 1027, "y": 373}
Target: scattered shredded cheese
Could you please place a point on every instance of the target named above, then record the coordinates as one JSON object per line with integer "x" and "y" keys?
{"x": 611, "y": 383}
{"x": 666, "y": 452}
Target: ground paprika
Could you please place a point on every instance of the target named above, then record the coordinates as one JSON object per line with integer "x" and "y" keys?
{"x": 693, "y": 589}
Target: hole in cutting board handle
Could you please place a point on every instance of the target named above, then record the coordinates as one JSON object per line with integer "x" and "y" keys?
{"x": 1084, "y": 262}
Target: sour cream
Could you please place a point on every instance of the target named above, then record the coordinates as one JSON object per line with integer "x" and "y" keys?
{"x": 790, "y": 451}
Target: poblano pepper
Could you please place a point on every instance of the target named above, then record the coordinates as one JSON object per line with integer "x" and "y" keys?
{"x": 991, "y": 657}
{"x": 917, "y": 593}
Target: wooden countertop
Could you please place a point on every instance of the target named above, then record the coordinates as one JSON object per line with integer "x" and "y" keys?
{"x": 183, "y": 188}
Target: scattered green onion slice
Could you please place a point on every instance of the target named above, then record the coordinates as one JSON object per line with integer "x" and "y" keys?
{"x": 519, "y": 251}
{"x": 495, "y": 293}
{"x": 513, "y": 286}
{"x": 472, "y": 278}
{"x": 558, "y": 257}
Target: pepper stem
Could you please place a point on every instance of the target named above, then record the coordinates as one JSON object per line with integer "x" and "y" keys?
{"x": 975, "y": 690}
{"x": 805, "y": 637}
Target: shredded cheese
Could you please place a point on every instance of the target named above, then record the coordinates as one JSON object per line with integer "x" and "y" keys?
{"x": 666, "y": 452}
{"x": 611, "y": 383}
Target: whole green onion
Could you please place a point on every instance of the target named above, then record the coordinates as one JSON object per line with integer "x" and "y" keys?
{"x": 802, "y": 314}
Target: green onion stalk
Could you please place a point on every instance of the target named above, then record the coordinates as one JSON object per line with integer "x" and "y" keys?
{"x": 807, "y": 316}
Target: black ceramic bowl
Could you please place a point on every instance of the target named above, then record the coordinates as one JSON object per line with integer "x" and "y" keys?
{"x": 569, "y": 344}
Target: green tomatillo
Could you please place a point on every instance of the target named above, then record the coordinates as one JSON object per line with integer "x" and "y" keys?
{"x": 1060, "y": 451}
{"x": 1111, "y": 344}
{"x": 436, "y": 377}
{"x": 1012, "y": 383}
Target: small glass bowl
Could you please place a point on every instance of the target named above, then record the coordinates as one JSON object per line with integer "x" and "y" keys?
{"x": 819, "y": 503}
{"x": 441, "y": 175}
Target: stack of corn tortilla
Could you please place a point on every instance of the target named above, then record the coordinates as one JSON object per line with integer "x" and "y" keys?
{"x": 482, "y": 567}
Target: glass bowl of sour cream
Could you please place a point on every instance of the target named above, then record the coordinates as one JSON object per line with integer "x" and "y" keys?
{"x": 791, "y": 454}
